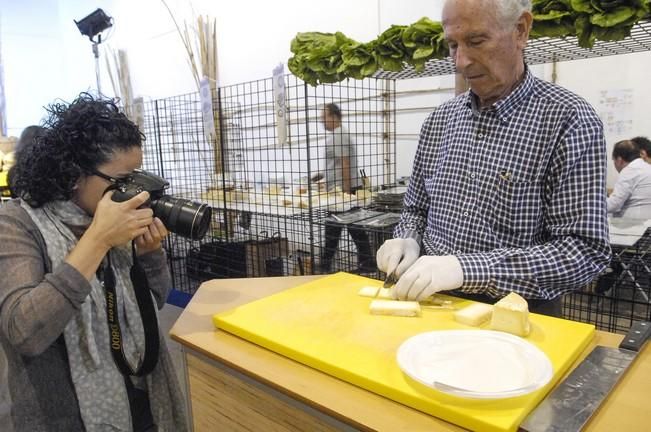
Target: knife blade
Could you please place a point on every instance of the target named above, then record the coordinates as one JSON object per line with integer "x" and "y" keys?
{"x": 390, "y": 280}
{"x": 571, "y": 404}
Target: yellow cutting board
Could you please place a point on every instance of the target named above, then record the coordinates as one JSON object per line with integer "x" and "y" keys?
{"x": 325, "y": 324}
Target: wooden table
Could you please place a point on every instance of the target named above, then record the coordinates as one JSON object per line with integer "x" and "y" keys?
{"x": 235, "y": 385}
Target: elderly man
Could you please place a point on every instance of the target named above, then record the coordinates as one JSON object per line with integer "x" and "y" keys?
{"x": 507, "y": 187}
{"x": 631, "y": 196}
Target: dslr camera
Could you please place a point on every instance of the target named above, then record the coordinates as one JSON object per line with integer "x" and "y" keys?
{"x": 184, "y": 217}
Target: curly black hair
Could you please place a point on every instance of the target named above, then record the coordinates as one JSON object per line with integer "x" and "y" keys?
{"x": 78, "y": 137}
{"x": 643, "y": 143}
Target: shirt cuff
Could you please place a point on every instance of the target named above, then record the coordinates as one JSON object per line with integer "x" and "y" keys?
{"x": 476, "y": 272}
{"x": 410, "y": 234}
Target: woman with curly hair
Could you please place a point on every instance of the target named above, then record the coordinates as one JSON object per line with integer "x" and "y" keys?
{"x": 81, "y": 348}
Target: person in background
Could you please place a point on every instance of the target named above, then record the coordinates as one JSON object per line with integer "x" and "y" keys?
{"x": 28, "y": 137}
{"x": 66, "y": 256}
{"x": 341, "y": 173}
{"x": 631, "y": 195}
{"x": 507, "y": 189}
{"x": 644, "y": 144}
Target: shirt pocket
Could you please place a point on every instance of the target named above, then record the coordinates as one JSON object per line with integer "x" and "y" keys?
{"x": 517, "y": 211}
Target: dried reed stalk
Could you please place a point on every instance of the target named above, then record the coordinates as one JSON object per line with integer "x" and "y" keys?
{"x": 201, "y": 42}
{"x": 123, "y": 88}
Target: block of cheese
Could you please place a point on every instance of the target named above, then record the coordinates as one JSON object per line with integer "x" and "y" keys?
{"x": 511, "y": 315}
{"x": 395, "y": 308}
{"x": 474, "y": 315}
{"x": 368, "y": 291}
{"x": 385, "y": 293}
{"x": 371, "y": 291}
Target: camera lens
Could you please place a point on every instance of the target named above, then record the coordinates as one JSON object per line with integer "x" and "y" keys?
{"x": 184, "y": 217}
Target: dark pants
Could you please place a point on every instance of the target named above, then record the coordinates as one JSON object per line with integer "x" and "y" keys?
{"x": 545, "y": 307}
{"x": 365, "y": 259}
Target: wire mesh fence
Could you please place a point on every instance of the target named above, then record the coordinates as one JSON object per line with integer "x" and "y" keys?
{"x": 280, "y": 184}
{"x": 622, "y": 294}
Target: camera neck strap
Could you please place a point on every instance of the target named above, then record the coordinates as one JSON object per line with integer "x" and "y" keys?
{"x": 147, "y": 315}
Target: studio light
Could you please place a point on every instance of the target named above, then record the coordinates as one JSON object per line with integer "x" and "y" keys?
{"x": 94, "y": 24}
{"x": 91, "y": 26}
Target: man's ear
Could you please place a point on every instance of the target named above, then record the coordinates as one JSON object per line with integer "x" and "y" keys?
{"x": 523, "y": 27}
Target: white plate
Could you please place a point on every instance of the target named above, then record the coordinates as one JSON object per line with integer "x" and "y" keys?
{"x": 479, "y": 364}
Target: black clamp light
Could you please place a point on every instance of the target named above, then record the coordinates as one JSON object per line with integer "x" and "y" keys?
{"x": 94, "y": 24}
{"x": 91, "y": 26}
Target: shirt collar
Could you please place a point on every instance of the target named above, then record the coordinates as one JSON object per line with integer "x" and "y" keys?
{"x": 635, "y": 162}
{"x": 506, "y": 106}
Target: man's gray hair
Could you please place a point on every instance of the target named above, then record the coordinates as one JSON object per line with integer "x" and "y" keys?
{"x": 508, "y": 11}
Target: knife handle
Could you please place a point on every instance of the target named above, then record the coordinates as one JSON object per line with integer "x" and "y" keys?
{"x": 636, "y": 336}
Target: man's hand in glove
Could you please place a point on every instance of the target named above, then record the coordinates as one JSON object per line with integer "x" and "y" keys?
{"x": 397, "y": 255}
{"x": 428, "y": 275}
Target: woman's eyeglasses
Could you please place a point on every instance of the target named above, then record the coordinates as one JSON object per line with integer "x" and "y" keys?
{"x": 113, "y": 180}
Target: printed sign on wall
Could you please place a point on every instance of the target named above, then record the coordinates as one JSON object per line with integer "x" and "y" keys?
{"x": 616, "y": 111}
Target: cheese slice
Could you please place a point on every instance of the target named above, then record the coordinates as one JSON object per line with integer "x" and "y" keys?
{"x": 474, "y": 315}
{"x": 371, "y": 291}
{"x": 395, "y": 308}
{"x": 385, "y": 293}
{"x": 368, "y": 291}
{"x": 511, "y": 315}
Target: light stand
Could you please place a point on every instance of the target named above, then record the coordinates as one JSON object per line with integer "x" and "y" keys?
{"x": 92, "y": 26}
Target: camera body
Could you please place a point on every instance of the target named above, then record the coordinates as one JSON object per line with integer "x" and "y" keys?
{"x": 184, "y": 217}
{"x": 140, "y": 181}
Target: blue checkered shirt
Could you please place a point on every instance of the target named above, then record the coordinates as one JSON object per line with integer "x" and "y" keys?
{"x": 516, "y": 191}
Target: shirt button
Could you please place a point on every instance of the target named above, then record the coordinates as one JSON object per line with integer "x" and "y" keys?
{"x": 465, "y": 213}
{"x": 458, "y": 252}
{"x": 480, "y": 135}
{"x": 472, "y": 175}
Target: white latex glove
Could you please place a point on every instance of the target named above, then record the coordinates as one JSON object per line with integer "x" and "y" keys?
{"x": 397, "y": 255}
{"x": 428, "y": 275}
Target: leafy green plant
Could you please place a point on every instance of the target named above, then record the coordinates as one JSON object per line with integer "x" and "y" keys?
{"x": 332, "y": 57}
{"x": 390, "y": 52}
{"x": 424, "y": 40}
{"x": 327, "y": 57}
{"x": 588, "y": 20}
{"x": 318, "y": 57}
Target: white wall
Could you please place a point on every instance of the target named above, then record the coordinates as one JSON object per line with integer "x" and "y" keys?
{"x": 45, "y": 56}
{"x": 253, "y": 36}
{"x": 590, "y": 78}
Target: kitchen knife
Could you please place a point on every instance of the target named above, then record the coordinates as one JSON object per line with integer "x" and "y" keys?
{"x": 570, "y": 405}
{"x": 390, "y": 281}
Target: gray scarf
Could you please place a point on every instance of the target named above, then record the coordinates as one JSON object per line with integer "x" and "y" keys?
{"x": 99, "y": 385}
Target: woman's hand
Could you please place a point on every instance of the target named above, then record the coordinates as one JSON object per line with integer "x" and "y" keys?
{"x": 152, "y": 239}
{"x": 116, "y": 223}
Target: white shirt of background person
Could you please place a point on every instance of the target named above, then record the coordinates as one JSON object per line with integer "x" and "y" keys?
{"x": 631, "y": 196}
